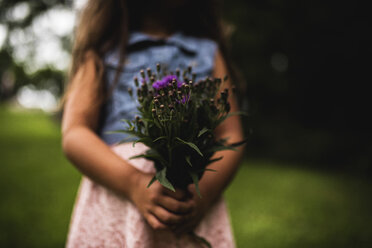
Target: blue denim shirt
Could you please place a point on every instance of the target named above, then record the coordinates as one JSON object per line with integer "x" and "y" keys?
{"x": 143, "y": 51}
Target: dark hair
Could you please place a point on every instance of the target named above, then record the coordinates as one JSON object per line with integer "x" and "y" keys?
{"x": 105, "y": 24}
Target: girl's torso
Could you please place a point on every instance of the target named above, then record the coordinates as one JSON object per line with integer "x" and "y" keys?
{"x": 143, "y": 51}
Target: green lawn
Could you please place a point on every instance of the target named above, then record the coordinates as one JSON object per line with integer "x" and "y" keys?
{"x": 271, "y": 205}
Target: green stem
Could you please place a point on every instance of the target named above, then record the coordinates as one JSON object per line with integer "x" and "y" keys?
{"x": 200, "y": 239}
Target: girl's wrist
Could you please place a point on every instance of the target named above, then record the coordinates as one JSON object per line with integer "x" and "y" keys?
{"x": 134, "y": 182}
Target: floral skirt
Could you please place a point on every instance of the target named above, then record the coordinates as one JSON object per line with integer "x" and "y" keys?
{"x": 101, "y": 218}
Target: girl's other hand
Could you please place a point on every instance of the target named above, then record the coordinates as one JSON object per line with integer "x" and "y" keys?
{"x": 201, "y": 206}
{"x": 161, "y": 207}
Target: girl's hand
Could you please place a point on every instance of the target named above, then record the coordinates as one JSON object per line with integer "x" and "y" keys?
{"x": 161, "y": 207}
{"x": 201, "y": 206}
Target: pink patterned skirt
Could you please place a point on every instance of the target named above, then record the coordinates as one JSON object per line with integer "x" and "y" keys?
{"x": 103, "y": 219}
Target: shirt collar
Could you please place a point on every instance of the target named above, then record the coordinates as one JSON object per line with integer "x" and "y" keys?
{"x": 178, "y": 39}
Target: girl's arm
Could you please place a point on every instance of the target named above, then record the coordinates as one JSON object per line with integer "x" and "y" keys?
{"x": 213, "y": 184}
{"x": 97, "y": 161}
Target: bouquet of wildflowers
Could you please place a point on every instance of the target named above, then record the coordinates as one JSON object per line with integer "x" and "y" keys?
{"x": 177, "y": 117}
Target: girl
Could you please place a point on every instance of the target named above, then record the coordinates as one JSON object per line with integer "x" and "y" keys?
{"x": 114, "y": 40}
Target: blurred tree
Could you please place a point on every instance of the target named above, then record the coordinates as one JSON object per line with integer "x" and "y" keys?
{"x": 18, "y": 15}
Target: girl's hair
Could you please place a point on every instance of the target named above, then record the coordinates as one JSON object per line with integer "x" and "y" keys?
{"x": 105, "y": 24}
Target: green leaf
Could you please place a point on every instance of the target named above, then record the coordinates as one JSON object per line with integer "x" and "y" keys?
{"x": 221, "y": 148}
{"x": 151, "y": 181}
{"x": 231, "y": 114}
{"x": 159, "y": 138}
{"x": 239, "y": 143}
{"x": 190, "y": 144}
{"x": 152, "y": 157}
{"x": 225, "y": 77}
{"x": 201, "y": 239}
{"x": 145, "y": 140}
{"x": 161, "y": 176}
{"x": 188, "y": 160}
{"x": 126, "y": 140}
{"x": 127, "y": 121}
{"x": 195, "y": 179}
{"x": 214, "y": 160}
{"x": 203, "y": 131}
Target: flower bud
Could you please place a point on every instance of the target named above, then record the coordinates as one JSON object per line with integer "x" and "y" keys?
{"x": 152, "y": 79}
{"x": 174, "y": 83}
{"x": 223, "y": 95}
{"x": 158, "y": 67}
{"x": 130, "y": 91}
{"x": 136, "y": 81}
{"x": 143, "y": 75}
{"x": 148, "y": 70}
{"x": 189, "y": 69}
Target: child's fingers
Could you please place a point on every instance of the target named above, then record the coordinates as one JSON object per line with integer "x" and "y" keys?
{"x": 176, "y": 206}
{"x": 179, "y": 194}
{"x": 165, "y": 216}
{"x": 154, "y": 222}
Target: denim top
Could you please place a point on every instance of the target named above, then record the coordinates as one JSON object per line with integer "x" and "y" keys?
{"x": 144, "y": 51}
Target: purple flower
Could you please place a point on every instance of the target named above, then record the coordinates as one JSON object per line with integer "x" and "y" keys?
{"x": 159, "y": 85}
{"x": 167, "y": 80}
{"x": 185, "y": 99}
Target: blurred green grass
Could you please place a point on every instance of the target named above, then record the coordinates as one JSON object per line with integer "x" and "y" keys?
{"x": 271, "y": 205}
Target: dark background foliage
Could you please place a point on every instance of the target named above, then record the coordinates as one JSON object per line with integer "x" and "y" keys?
{"x": 307, "y": 70}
